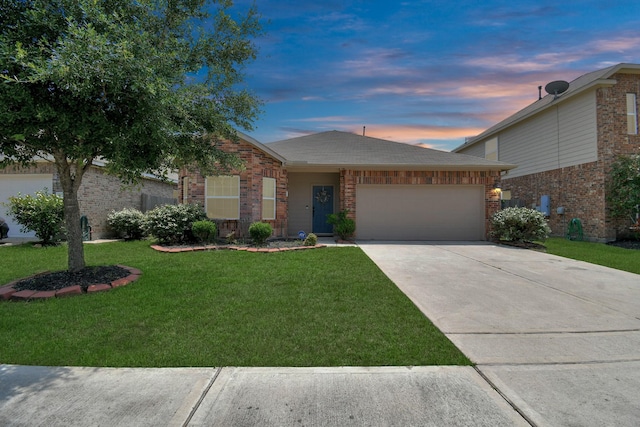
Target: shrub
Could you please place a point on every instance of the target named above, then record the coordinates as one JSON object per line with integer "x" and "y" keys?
{"x": 343, "y": 226}
{"x": 311, "y": 240}
{"x": 43, "y": 214}
{"x": 128, "y": 223}
{"x": 204, "y": 231}
{"x": 171, "y": 224}
{"x": 519, "y": 224}
{"x": 260, "y": 232}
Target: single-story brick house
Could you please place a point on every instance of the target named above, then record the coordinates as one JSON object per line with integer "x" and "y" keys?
{"x": 394, "y": 191}
{"x": 98, "y": 195}
{"x": 564, "y": 145}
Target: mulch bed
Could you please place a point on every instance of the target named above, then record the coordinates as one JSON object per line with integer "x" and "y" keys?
{"x": 62, "y": 279}
{"x": 627, "y": 244}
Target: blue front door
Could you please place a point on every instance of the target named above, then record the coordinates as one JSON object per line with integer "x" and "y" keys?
{"x": 322, "y": 206}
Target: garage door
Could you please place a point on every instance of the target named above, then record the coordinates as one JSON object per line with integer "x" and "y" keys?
{"x": 11, "y": 185}
{"x": 418, "y": 212}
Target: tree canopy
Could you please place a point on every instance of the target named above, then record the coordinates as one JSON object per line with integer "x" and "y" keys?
{"x": 140, "y": 84}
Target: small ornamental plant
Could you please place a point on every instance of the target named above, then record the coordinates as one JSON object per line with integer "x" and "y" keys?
{"x": 344, "y": 227}
{"x": 204, "y": 231}
{"x": 127, "y": 223}
{"x": 260, "y": 232}
{"x": 519, "y": 225}
{"x": 310, "y": 240}
{"x": 42, "y": 213}
{"x": 171, "y": 224}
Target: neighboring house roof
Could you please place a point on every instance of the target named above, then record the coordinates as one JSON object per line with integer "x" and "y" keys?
{"x": 348, "y": 150}
{"x": 583, "y": 83}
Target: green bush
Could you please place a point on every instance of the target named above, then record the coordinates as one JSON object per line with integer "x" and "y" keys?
{"x": 204, "y": 231}
{"x": 171, "y": 224}
{"x": 260, "y": 232}
{"x": 344, "y": 227}
{"x": 43, "y": 214}
{"x": 311, "y": 240}
{"x": 128, "y": 223}
{"x": 519, "y": 224}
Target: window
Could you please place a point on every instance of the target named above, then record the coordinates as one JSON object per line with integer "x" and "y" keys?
{"x": 491, "y": 149}
{"x": 632, "y": 114}
{"x": 268, "y": 198}
{"x": 222, "y": 199}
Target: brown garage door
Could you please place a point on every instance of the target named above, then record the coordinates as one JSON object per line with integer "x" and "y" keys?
{"x": 420, "y": 212}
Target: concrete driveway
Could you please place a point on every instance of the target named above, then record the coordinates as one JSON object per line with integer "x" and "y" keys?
{"x": 558, "y": 338}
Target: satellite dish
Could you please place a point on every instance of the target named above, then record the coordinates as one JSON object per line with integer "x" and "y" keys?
{"x": 556, "y": 88}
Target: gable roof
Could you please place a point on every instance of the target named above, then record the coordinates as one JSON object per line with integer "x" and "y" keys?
{"x": 580, "y": 85}
{"x": 348, "y": 150}
{"x": 260, "y": 146}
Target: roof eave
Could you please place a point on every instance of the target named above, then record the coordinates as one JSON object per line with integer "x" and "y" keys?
{"x": 300, "y": 166}
{"x": 498, "y": 128}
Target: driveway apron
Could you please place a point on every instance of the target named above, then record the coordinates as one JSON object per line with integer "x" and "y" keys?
{"x": 559, "y": 338}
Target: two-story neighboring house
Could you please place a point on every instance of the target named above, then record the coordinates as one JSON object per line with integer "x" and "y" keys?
{"x": 564, "y": 145}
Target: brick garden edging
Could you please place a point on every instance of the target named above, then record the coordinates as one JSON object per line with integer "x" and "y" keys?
{"x": 231, "y": 248}
{"x": 7, "y": 292}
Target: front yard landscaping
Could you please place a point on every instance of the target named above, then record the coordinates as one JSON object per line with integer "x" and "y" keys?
{"x": 324, "y": 307}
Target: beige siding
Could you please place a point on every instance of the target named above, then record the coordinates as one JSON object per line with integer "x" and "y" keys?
{"x": 474, "y": 150}
{"x": 301, "y": 198}
{"x": 561, "y": 136}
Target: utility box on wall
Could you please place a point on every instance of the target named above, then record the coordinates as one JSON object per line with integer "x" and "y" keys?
{"x": 545, "y": 205}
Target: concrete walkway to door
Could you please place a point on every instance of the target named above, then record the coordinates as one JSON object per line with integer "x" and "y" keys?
{"x": 558, "y": 338}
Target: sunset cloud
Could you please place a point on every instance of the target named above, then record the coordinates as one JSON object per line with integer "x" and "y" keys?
{"x": 429, "y": 73}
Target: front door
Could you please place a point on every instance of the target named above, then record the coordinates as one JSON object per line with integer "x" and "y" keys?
{"x": 322, "y": 206}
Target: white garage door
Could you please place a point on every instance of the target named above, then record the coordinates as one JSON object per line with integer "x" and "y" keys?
{"x": 420, "y": 212}
{"x": 11, "y": 185}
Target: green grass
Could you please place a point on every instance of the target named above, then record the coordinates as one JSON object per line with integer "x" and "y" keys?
{"x": 326, "y": 307}
{"x": 596, "y": 253}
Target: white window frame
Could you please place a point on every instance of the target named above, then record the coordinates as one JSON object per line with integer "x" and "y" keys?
{"x": 269, "y": 197}
{"x": 209, "y": 199}
{"x": 632, "y": 114}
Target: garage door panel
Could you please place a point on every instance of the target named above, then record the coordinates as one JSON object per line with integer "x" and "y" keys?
{"x": 404, "y": 212}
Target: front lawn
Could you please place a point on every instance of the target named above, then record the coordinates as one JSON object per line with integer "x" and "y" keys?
{"x": 321, "y": 307}
{"x": 596, "y": 253}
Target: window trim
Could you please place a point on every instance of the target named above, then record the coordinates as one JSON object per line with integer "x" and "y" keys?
{"x": 270, "y": 198}
{"x": 632, "y": 114}
{"x": 210, "y": 199}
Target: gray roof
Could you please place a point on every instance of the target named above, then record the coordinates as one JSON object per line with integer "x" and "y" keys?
{"x": 581, "y": 84}
{"x": 348, "y": 150}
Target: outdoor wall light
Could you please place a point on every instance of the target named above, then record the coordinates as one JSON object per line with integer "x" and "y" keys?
{"x": 497, "y": 187}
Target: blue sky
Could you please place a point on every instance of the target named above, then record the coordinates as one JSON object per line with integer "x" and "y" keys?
{"x": 422, "y": 71}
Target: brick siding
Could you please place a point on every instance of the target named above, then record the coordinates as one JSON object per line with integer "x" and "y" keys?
{"x": 258, "y": 165}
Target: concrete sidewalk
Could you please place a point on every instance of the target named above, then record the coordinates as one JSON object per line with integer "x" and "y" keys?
{"x": 385, "y": 396}
{"x": 559, "y": 338}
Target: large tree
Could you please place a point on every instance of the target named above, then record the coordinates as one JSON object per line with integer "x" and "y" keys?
{"x": 140, "y": 84}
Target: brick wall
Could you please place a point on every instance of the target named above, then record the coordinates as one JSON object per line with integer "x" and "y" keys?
{"x": 349, "y": 179}
{"x": 579, "y": 189}
{"x": 100, "y": 193}
{"x": 258, "y": 164}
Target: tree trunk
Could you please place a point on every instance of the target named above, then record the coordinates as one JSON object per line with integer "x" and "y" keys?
{"x": 75, "y": 246}
{"x": 70, "y": 178}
